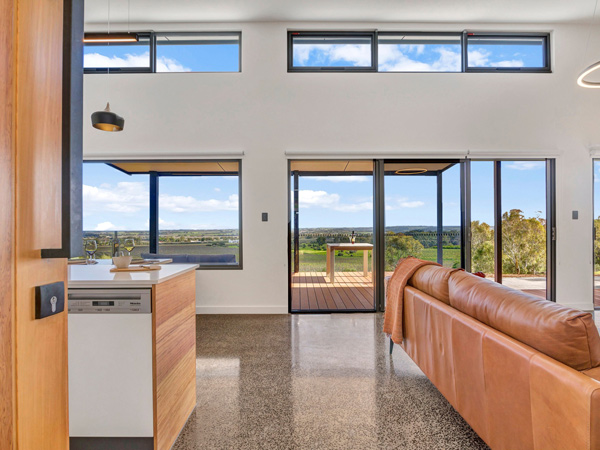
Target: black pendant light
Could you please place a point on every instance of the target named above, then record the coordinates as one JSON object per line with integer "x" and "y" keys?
{"x": 107, "y": 120}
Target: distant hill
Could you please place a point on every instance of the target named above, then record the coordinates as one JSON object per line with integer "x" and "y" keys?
{"x": 395, "y": 229}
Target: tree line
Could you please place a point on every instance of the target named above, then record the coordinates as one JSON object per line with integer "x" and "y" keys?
{"x": 523, "y": 245}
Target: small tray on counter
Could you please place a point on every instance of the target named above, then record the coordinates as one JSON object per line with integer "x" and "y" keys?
{"x": 138, "y": 261}
{"x": 137, "y": 268}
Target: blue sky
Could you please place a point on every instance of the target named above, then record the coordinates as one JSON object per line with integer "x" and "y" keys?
{"x": 416, "y": 57}
{"x": 169, "y": 58}
{"x": 113, "y": 200}
{"x": 346, "y": 201}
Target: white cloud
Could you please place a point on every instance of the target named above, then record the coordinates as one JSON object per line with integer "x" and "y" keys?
{"x": 400, "y": 58}
{"x": 327, "y": 54}
{"x": 217, "y": 190}
{"x": 187, "y": 204}
{"x": 132, "y": 197}
{"x": 322, "y": 199}
{"x": 308, "y": 198}
{"x": 526, "y": 165}
{"x": 481, "y": 58}
{"x": 341, "y": 179}
{"x": 401, "y": 203}
{"x": 106, "y": 226}
{"x": 163, "y": 64}
{"x": 125, "y": 197}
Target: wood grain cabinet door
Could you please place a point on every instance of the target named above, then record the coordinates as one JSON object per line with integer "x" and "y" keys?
{"x": 33, "y": 353}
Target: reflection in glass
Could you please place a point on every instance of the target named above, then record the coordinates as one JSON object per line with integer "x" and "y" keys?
{"x": 114, "y": 55}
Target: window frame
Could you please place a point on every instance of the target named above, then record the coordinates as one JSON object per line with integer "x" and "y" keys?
{"x": 458, "y": 34}
{"x": 153, "y": 52}
{"x": 464, "y": 35}
{"x": 158, "y": 34}
{"x": 342, "y": 34}
{"x": 547, "y": 68}
{"x": 154, "y": 193}
{"x": 149, "y": 69}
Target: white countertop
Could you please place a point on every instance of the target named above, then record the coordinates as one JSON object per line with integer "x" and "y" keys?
{"x": 99, "y": 276}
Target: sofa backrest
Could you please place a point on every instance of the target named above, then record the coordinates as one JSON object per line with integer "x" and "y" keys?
{"x": 565, "y": 334}
{"x": 433, "y": 280}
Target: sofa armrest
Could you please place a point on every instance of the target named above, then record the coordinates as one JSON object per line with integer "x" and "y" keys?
{"x": 565, "y": 406}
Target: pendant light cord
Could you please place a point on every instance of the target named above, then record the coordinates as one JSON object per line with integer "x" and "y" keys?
{"x": 108, "y": 45}
{"x": 587, "y": 42}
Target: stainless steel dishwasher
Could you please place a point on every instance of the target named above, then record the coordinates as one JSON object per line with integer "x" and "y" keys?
{"x": 110, "y": 367}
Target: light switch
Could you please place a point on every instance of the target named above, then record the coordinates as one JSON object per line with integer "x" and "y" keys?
{"x": 575, "y": 215}
{"x": 265, "y": 217}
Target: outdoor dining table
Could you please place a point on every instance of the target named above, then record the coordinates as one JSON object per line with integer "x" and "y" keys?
{"x": 331, "y": 248}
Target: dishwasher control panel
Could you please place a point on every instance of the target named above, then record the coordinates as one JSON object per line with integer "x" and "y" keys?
{"x": 110, "y": 301}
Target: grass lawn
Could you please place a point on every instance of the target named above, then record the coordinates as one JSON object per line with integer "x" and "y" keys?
{"x": 312, "y": 260}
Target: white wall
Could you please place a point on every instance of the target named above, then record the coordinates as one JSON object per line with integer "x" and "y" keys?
{"x": 265, "y": 112}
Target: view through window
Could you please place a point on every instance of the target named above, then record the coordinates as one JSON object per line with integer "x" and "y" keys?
{"x": 522, "y": 198}
{"x": 333, "y": 217}
{"x": 424, "y": 214}
{"x": 199, "y": 219}
{"x": 167, "y": 52}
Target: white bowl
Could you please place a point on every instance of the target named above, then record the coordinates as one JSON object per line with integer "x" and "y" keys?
{"x": 122, "y": 262}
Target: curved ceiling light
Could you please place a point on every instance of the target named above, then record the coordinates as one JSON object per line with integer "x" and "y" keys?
{"x": 589, "y": 84}
{"x": 107, "y": 120}
{"x": 411, "y": 171}
{"x": 580, "y": 79}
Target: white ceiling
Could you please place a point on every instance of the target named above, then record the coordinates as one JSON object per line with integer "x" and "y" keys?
{"x": 459, "y": 11}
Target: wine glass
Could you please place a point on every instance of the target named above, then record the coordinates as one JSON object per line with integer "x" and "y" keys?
{"x": 90, "y": 248}
{"x": 129, "y": 245}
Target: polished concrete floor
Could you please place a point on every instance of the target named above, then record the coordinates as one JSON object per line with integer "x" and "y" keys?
{"x": 313, "y": 382}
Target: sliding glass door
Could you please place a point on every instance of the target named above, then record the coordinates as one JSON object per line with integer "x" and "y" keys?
{"x": 422, "y": 212}
{"x": 332, "y": 236}
{"x": 511, "y": 223}
{"x": 492, "y": 216}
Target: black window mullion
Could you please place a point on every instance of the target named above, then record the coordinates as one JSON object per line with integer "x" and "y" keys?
{"x": 465, "y": 201}
{"x": 153, "y": 52}
{"x": 551, "y": 229}
{"x": 498, "y": 221}
{"x": 154, "y": 231}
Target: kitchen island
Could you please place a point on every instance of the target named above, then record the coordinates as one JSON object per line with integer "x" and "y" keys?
{"x": 170, "y": 389}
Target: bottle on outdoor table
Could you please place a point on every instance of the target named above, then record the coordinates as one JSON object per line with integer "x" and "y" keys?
{"x": 353, "y": 238}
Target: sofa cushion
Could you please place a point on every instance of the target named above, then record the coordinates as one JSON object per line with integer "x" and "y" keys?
{"x": 433, "y": 280}
{"x": 565, "y": 334}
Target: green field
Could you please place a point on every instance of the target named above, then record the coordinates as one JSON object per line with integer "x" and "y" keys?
{"x": 315, "y": 260}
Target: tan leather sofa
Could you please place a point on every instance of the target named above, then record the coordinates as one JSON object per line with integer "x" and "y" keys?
{"x": 521, "y": 370}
